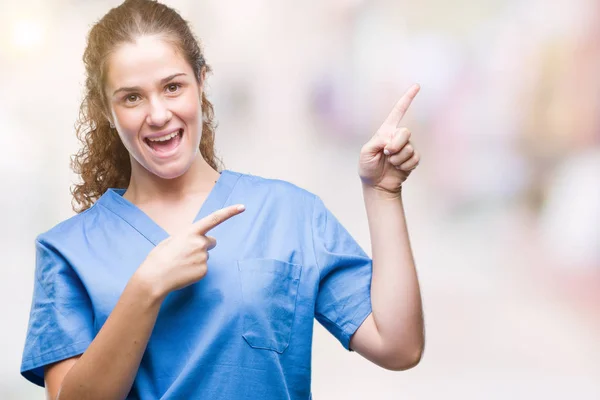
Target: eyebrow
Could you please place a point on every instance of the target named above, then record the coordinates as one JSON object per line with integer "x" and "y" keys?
{"x": 137, "y": 88}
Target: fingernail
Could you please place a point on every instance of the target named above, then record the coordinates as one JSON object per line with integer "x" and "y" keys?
{"x": 386, "y": 152}
{"x": 241, "y": 207}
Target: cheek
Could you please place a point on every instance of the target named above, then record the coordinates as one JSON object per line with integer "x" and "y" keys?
{"x": 130, "y": 120}
{"x": 188, "y": 108}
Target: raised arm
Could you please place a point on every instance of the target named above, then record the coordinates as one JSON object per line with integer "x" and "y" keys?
{"x": 393, "y": 335}
{"x": 107, "y": 369}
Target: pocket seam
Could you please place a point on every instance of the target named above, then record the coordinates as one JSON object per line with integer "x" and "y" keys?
{"x": 293, "y": 273}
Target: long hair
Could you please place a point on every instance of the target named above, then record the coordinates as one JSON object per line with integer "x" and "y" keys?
{"x": 103, "y": 161}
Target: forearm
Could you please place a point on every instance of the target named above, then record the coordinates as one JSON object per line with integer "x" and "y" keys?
{"x": 395, "y": 293}
{"x": 107, "y": 369}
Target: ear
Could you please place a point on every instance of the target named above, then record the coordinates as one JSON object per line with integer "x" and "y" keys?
{"x": 110, "y": 119}
{"x": 202, "y": 75}
{"x": 202, "y": 78}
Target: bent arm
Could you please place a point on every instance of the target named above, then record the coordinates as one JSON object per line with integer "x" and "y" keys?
{"x": 393, "y": 335}
{"x": 107, "y": 369}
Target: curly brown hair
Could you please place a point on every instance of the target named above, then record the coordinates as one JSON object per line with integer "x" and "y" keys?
{"x": 103, "y": 161}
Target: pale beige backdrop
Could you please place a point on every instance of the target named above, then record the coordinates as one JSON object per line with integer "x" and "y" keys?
{"x": 504, "y": 210}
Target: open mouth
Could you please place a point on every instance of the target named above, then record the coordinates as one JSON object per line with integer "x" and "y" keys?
{"x": 165, "y": 145}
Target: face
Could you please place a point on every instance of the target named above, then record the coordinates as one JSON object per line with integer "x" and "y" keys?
{"x": 155, "y": 104}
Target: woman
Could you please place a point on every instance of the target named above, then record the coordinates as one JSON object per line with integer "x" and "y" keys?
{"x": 127, "y": 302}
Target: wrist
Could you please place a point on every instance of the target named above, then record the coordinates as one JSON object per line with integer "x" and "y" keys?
{"x": 146, "y": 287}
{"x": 381, "y": 194}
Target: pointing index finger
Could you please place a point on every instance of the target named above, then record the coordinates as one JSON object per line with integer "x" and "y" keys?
{"x": 218, "y": 217}
{"x": 401, "y": 106}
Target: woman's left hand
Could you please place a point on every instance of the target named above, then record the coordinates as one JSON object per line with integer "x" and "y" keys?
{"x": 389, "y": 157}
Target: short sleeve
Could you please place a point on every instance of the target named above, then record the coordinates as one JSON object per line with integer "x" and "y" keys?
{"x": 61, "y": 317}
{"x": 344, "y": 297}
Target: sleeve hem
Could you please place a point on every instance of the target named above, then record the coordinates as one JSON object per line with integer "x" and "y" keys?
{"x": 32, "y": 368}
{"x": 343, "y": 333}
{"x": 361, "y": 314}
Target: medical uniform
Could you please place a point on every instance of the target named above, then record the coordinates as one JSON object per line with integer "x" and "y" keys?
{"x": 242, "y": 332}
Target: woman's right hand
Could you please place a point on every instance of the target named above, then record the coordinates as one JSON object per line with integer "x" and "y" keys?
{"x": 180, "y": 260}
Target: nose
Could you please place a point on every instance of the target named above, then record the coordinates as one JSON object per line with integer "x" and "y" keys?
{"x": 159, "y": 114}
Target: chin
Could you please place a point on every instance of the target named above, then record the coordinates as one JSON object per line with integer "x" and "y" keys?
{"x": 171, "y": 171}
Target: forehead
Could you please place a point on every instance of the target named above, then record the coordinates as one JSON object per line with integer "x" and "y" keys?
{"x": 144, "y": 62}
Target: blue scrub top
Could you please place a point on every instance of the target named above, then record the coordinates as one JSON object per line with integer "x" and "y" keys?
{"x": 242, "y": 332}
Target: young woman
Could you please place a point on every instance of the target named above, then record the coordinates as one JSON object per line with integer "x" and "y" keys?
{"x": 133, "y": 299}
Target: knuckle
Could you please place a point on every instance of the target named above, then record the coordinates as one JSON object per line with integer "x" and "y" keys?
{"x": 201, "y": 272}
{"x": 203, "y": 268}
{"x": 203, "y": 257}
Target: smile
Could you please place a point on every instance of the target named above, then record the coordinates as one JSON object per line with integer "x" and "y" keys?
{"x": 166, "y": 145}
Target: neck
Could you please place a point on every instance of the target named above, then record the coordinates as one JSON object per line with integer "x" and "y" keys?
{"x": 145, "y": 187}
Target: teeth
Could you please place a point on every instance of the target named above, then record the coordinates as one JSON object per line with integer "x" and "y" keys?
{"x": 164, "y": 138}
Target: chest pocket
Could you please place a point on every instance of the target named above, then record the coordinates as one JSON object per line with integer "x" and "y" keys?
{"x": 269, "y": 291}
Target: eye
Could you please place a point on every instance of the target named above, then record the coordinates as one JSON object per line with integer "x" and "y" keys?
{"x": 173, "y": 87}
{"x": 131, "y": 98}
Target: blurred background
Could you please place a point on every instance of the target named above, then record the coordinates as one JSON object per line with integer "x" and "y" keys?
{"x": 503, "y": 211}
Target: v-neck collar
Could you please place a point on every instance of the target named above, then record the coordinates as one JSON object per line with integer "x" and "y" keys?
{"x": 113, "y": 200}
